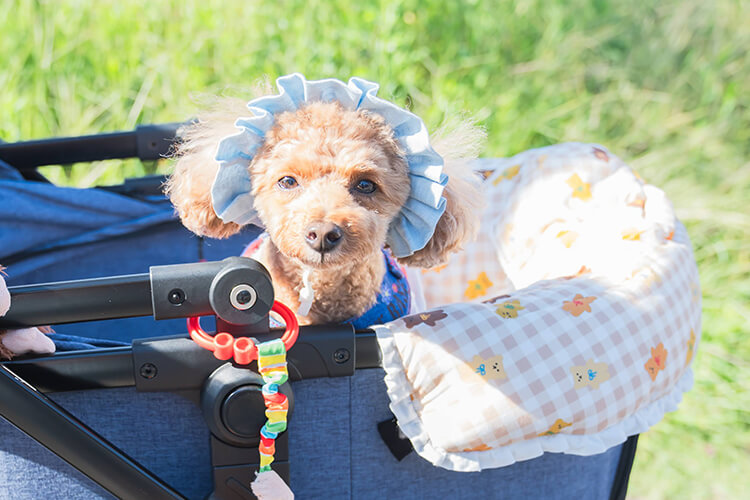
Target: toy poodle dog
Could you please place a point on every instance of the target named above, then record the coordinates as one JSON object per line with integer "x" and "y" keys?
{"x": 331, "y": 173}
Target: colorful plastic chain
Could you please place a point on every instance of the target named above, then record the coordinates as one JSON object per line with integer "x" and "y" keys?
{"x": 271, "y": 356}
{"x": 272, "y": 367}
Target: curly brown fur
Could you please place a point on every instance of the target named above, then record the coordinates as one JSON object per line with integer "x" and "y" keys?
{"x": 189, "y": 187}
{"x": 327, "y": 150}
{"x": 458, "y": 143}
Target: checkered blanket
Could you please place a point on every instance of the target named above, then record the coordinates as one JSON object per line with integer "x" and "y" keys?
{"x": 571, "y": 322}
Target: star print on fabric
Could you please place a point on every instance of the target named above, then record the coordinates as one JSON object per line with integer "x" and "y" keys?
{"x": 581, "y": 271}
{"x": 637, "y": 203}
{"x": 657, "y": 362}
{"x": 632, "y": 234}
{"x": 581, "y": 190}
{"x": 508, "y": 174}
{"x": 690, "y": 347}
{"x": 578, "y": 305}
{"x": 567, "y": 238}
{"x": 559, "y": 425}
{"x": 435, "y": 269}
{"x": 478, "y": 287}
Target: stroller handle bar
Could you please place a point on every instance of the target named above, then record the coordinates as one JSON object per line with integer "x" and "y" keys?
{"x": 146, "y": 142}
{"x": 238, "y": 290}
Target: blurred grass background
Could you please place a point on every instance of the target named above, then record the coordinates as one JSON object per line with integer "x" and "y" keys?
{"x": 664, "y": 84}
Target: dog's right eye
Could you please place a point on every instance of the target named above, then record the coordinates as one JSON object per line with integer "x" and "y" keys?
{"x": 287, "y": 182}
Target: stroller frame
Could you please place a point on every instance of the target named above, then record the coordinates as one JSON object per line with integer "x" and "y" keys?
{"x": 321, "y": 351}
{"x": 159, "y": 365}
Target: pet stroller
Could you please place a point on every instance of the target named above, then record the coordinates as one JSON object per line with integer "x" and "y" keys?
{"x": 140, "y": 412}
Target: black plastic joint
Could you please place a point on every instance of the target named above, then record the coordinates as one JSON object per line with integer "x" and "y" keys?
{"x": 233, "y": 405}
{"x": 153, "y": 142}
{"x": 207, "y": 288}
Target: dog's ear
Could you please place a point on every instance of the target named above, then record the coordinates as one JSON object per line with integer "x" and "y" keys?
{"x": 189, "y": 186}
{"x": 458, "y": 143}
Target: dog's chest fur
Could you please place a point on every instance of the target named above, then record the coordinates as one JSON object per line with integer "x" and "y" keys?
{"x": 340, "y": 294}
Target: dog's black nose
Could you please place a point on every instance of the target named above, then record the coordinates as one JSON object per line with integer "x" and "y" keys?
{"x": 323, "y": 236}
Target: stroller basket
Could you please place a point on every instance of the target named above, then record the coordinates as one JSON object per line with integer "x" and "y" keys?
{"x": 337, "y": 396}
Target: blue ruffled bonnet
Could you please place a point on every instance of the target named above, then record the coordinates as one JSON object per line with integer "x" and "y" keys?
{"x": 409, "y": 231}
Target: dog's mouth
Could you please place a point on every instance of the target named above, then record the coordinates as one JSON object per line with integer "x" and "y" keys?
{"x": 324, "y": 259}
{"x": 320, "y": 249}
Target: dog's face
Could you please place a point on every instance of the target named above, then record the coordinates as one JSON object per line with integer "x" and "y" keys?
{"x": 327, "y": 183}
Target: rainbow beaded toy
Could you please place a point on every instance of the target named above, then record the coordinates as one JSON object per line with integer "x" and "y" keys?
{"x": 272, "y": 367}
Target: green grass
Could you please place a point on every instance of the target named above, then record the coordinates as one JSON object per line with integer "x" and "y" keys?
{"x": 665, "y": 84}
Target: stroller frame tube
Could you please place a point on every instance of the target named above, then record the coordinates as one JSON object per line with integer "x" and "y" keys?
{"x": 77, "y": 370}
{"x": 173, "y": 291}
{"x": 79, "y": 300}
{"x": 146, "y": 142}
{"x": 67, "y": 437}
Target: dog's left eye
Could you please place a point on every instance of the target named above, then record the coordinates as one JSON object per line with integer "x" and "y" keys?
{"x": 287, "y": 182}
{"x": 365, "y": 186}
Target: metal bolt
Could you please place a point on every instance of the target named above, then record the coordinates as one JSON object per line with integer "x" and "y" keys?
{"x": 243, "y": 297}
{"x": 176, "y": 297}
{"x": 341, "y": 355}
{"x": 148, "y": 370}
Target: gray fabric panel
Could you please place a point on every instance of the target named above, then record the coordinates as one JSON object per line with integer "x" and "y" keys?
{"x": 320, "y": 439}
{"x": 335, "y": 449}
{"x": 29, "y": 471}
{"x": 377, "y": 474}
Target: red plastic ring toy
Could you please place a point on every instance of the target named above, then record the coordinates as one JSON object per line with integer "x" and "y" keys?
{"x": 243, "y": 349}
